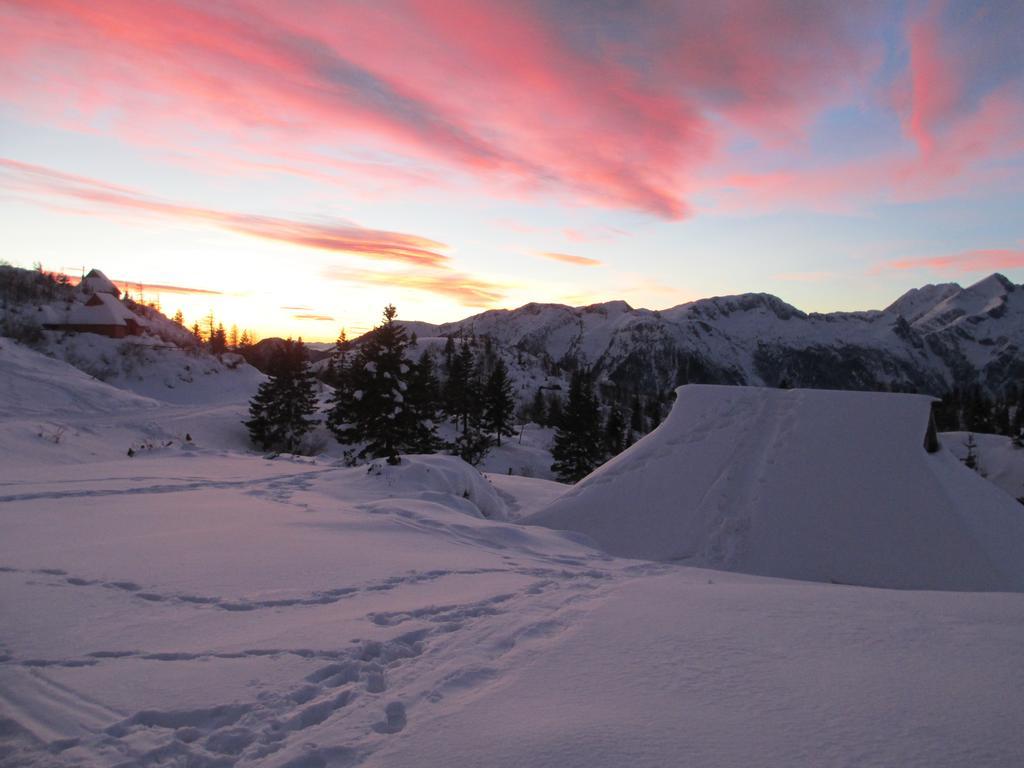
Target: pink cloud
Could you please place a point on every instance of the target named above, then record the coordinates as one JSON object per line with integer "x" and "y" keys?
{"x": 41, "y": 184}
{"x": 965, "y": 158}
{"x": 981, "y": 260}
{"x": 620, "y": 111}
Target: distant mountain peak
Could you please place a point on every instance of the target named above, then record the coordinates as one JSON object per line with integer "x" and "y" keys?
{"x": 995, "y": 285}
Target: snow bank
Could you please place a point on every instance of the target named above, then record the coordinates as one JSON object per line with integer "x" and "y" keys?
{"x": 427, "y": 477}
{"x": 804, "y": 484}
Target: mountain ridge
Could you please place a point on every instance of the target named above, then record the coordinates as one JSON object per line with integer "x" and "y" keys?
{"x": 930, "y": 339}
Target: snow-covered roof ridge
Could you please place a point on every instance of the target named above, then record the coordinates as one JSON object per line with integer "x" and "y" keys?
{"x": 97, "y": 282}
{"x": 809, "y": 484}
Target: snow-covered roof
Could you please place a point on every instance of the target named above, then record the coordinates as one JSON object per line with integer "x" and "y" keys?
{"x": 97, "y": 282}
{"x": 102, "y": 309}
{"x": 806, "y": 484}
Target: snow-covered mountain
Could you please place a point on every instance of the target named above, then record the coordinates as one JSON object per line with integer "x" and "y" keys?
{"x": 929, "y": 340}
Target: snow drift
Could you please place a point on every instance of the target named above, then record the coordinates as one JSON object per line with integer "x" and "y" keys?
{"x": 805, "y": 484}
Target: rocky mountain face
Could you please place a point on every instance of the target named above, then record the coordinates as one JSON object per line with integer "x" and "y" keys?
{"x": 929, "y": 340}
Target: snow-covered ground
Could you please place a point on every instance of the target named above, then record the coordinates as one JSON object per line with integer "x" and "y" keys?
{"x": 201, "y": 605}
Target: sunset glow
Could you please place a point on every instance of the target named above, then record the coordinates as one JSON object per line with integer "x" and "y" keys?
{"x": 295, "y": 166}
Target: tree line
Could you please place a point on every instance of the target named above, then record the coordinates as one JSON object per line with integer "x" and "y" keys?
{"x": 385, "y": 403}
{"x": 969, "y": 409}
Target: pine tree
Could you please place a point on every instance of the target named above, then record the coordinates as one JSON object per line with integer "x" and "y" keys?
{"x": 539, "y": 409}
{"x": 472, "y": 443}
{"x": 461, "y": 393}
{"x": 578, "y": 447}
{"x": 245, "y": 341}
{"x": 614, "y": 433}
{"x": 219, "y": 340}
{"x": 233, "y": 337}
{"x": 210, "y": 327}
{"x": 279, "y": 413}
{"x": 449, "y": 354}
{"x": 654, "y": 411}
{"x": 971, "y": 459}
{"x": 463, "y": 403}
{"x": 554, "y": 409}
{"x": 340, "y": 362}
{"x": 1001, "y": 419}
{"x": 179, "y": 319}
{"x": 379, "y": 411}
{"x": 636, "y": 416}
{"x": 197, "y": 334}
{"x": 425, "y": 399}
{"x": 341, "y": 413}
{"x": 499, "y": 404}
{"x": 977, "y": 411}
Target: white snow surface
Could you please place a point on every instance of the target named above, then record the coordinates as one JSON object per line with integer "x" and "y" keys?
{"x": 805, "y": 484}
{"x": 201, "y": 605}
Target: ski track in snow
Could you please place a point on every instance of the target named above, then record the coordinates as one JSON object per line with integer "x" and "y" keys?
{"x": 279, "y": 487}
{"x": 319, "y": 597}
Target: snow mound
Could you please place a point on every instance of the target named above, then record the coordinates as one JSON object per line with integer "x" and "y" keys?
{"x": 805, "y": 484}
{"x": 447, "y": 480}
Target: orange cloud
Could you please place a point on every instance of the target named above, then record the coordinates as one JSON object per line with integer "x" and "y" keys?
{"x": 39, "y": 184}
{"x": 570, "y": 258}
{"x": 135, "y": 285}
{"x": 467, "y": 290}
{"x": 162, "y": 288}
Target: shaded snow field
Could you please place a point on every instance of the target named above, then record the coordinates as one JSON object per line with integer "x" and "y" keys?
{"x": 204, "y": 606}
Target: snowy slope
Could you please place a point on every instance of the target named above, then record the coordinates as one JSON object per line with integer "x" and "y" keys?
{"x": 998, "y": 460}
{"x": 33, "y": 384}
{"x": 53, "y": 413}
{"x": 154, "y": 368}
{"x": 806, "y": 484}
